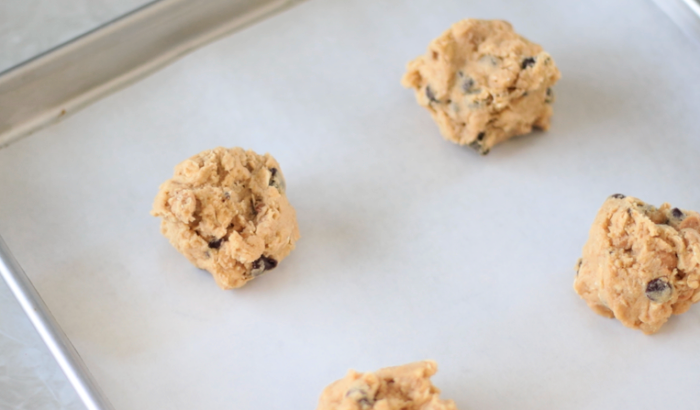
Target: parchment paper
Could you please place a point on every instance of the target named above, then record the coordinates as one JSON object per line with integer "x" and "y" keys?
{"x": 411, "y": 248}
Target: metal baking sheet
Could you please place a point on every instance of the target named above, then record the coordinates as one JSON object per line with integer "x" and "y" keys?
{"x": 55, "y": 84}
{"x": 411, "y": 247}
{"x": 686, "y": 14}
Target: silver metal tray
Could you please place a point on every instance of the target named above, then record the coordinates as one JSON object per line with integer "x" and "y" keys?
{"x": 412, "y": 248}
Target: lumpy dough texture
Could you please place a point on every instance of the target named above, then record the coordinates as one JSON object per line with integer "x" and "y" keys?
{"x": 227, "y": 212}
{"x": 484, "y": 84}
{"x": 641, "y": 264}
{"x": 406, "y": 387}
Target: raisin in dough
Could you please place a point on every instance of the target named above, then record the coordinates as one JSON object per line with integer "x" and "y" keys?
{"x": 640, "y": 264}
{"x": 406, "y": 387}
{"x": 484, "y": 84}
{"x": 226, "y": 211}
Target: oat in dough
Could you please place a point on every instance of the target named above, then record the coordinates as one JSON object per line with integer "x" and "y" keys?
{"x": 406, "y": 387}
{"x": 227, "y": 212}
{"x": 484, "y": 84}
{"x": 641, "y": 264}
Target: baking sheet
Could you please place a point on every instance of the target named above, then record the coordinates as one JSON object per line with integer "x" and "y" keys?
{"x": 411, "y": 247}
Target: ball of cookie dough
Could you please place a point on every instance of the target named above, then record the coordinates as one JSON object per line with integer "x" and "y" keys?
{"x": 227, "y": 212}
{"x": 641, "y": 264}
{"x": 406, "y": 387}
{"x": 484, "y": 84}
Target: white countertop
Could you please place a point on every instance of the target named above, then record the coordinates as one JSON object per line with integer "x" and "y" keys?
{"x": 411, "y": 248}
{"x": 29, "y": 375}
{"x": 31, "y": 27}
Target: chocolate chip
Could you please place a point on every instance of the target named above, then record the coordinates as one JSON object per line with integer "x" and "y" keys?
{"x": 578, "y": 265}
{"x": 618, "y": 196}
{"x": 262, "y": 264}
{"x": 677, "y": 213}
{"x": 360, "y": 396}
{"x": 481, "y": 136}
{"x": 269, "y": 263}
{"x": 430, "y": 95}
{"x": 478, "y": 147}
{"x": 216, "y": 244}
{"x": 550, "y": 96}
{"x": 659, "y": 290}
{"x": 468, "y": 86}
{"x": 528, "y": 62}
{"x": 257, "y": 269}
{"x": 277, "y": 181}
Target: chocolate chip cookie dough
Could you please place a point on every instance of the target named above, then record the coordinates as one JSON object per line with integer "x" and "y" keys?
{"x": 484, "y": 84}
{"x": 641, "y": 264}
{"x": 227, "y": 212}
{"x": 406, "y": 387}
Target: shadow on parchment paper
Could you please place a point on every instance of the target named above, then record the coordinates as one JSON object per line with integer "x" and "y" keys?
{"x": 335, "y": 232}
{"x": 597, "y": 91}
{"x": 337, "y": 224}
{"x": 585, "y": 100}
{"x": 580, "y": 105}
{"x": 348, "y": 214}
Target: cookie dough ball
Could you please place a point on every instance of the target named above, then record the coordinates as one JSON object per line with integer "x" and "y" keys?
{"x": 406, "y": 387}
{"x": 484, "y": 84}
{"x": 640, "y": 264}
{"x": 226, "y": 211}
